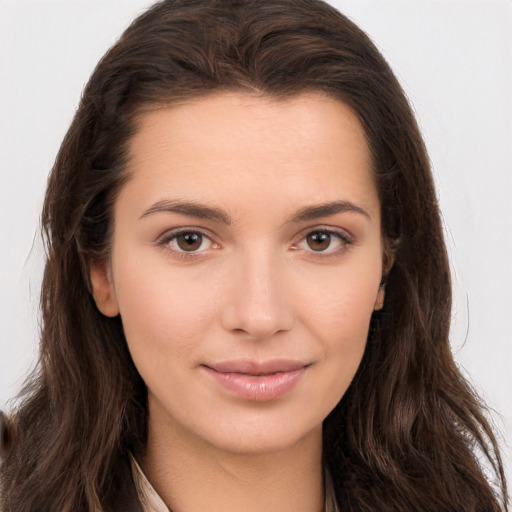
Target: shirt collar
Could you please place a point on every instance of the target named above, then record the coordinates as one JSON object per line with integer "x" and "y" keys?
{"x": 151, "y": 501}
{"x": 147, "y": 495}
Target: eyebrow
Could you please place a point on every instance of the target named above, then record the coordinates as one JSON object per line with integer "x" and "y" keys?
{"x": 326, "y": 209}
{"x": 189, "y": 208}
{"x": 202, "y": 211}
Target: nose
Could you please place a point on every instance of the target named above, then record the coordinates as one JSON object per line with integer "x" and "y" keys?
{"x": 257, "y": 303}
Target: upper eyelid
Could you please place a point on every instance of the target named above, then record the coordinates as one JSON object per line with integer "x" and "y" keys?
{"x": 345, "y": 244}
{"x": 173, "y": 232}
{"x": 341, "y": 236}
{"x": 343, "y": 233}
{"x": 170, "y": 235}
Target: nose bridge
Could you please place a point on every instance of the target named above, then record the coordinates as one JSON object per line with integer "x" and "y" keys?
{"x": 258, "y": 303}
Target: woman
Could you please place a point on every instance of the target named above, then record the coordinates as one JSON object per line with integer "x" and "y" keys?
{"x": 246, "y": 300}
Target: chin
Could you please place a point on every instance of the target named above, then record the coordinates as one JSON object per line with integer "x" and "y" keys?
{"x": 263, "y": 441}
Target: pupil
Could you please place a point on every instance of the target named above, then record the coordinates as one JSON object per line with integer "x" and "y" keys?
{"x": 189, "y": 241}
{"x": 319, "y": 241}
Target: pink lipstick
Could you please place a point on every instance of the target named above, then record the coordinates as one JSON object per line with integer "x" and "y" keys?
{"x": 251, "y": 380}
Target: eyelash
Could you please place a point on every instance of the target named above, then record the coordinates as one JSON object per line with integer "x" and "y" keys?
{"x": 344, "y": 240}
{"x": 168, "y": 237}
{"x": 171, "y": 236}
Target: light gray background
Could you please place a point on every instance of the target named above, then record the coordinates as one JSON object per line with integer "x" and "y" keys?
{"x": 454, "y": 59}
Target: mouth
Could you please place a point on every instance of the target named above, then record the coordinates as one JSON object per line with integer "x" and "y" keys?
{"x": 257, "y": 381}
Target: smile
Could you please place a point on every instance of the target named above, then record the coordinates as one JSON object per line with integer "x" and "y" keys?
{"x": 250, "y": 380}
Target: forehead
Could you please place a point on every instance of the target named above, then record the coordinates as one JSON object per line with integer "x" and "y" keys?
{"x": 308, "y": 118}
{"x": 305, "y": 145}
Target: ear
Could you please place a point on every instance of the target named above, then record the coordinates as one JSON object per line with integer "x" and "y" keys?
{"x": 390, "y": 247}
{"x": 388, "y": 259}
{"x": 379, "y": 301}
{"x": 103, "y": 288}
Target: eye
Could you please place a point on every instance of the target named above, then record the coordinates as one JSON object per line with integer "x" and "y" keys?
{"x": 324, "y": 241}
{"x": 186, "y": 241}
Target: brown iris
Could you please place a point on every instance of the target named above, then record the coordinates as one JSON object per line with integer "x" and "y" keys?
{"x": 189, "y": 241}
{"x": 319, "y": 240}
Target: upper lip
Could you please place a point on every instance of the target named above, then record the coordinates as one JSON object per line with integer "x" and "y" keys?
{"x": 249, "y": 367}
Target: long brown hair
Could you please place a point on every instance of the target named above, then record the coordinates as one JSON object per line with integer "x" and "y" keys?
{"x": 409, "y": 433}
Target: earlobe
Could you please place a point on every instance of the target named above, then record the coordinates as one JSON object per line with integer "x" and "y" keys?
{"x": 379, "y": 301}
{"x": 103, "y": 289}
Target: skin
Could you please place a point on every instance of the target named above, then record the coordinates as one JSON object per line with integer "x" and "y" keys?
{"x": 260, "y": 288}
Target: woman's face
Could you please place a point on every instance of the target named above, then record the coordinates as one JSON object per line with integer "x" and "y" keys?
{"x": 246, "y": 262}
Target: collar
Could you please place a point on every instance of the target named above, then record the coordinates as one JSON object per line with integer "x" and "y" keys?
{"x": 151, "y": 501}
{"x": 148, "y": 497}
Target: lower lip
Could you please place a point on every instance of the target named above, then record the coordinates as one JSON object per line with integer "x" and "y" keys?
{"x": 257, "y": 388}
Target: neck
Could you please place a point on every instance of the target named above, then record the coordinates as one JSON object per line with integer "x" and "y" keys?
{"x": 190, "y": 474}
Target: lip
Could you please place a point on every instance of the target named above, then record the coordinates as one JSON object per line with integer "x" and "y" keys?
{"x": 257, "y": 381}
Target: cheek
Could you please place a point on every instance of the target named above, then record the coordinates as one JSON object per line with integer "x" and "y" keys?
{"x": 340, "y": 319}
{"x": 342, "y": 301}
{"x": 165, "y": 314}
